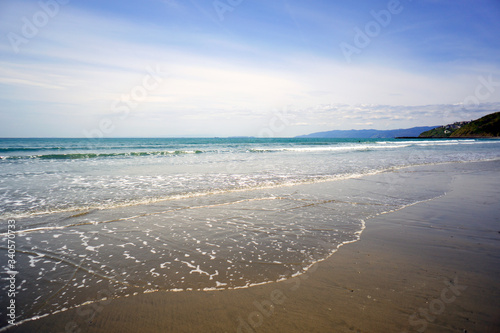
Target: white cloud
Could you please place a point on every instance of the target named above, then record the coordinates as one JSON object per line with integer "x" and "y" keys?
{"x": 82, "y": 63}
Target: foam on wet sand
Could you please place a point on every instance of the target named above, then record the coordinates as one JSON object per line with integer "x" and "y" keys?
{"x": 432, "y": 266}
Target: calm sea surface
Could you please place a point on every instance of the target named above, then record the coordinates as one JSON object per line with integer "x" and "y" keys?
{"x": 108, "y": 218}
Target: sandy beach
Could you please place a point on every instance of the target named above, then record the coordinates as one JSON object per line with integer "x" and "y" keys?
{"x": 433, "y": 266}
{"x": 249, "y": 166}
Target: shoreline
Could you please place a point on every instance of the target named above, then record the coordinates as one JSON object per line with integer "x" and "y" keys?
{"x": 325, "y": 179}
{"x": 361, "y": 287}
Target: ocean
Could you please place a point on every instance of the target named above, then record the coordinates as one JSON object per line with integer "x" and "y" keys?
{"x": 106, "y": 218}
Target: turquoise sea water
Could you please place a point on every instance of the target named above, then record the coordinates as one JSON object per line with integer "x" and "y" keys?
{"x": 108, "y": 218}
{"x": 47, "y": 175}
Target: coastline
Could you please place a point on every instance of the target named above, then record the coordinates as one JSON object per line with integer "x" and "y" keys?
{"x": 376, "y": 284}
{"x": 448, "y": 137}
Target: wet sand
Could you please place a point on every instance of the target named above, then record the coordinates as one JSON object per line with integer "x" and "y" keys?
{"x": 430, "y": 267}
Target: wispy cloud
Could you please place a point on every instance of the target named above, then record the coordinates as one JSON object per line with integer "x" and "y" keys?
{"x": 229, "y": 77}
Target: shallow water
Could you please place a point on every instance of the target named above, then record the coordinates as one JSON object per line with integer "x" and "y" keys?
{"x": 229, "y": 217}
{"x": 50, "y": 175}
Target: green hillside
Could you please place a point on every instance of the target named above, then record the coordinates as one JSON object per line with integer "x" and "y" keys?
{"x": 438, "y": 132}
{"x": 485, "y": 127}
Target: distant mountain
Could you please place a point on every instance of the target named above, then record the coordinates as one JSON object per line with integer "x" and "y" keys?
{"x": 485, "y": 127}
{"x": 369, "y": 133}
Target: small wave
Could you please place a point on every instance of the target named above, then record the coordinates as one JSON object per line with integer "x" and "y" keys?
{"x": 330, "y": 148}
{"x": 445, "y": 143}
{"x": 76, "y": 156}
{"x": 77, "y": 210}
{"x": 439, "y": 142}
{"x": 27, "y": 149}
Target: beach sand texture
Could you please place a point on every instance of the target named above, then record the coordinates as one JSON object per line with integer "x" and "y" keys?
{"x": 433, "y": 266}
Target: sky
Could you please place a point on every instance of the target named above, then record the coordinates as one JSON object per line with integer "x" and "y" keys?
{"x": 172, "y": 68}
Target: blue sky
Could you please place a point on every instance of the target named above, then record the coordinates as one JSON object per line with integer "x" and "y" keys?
{"x": 260, "y": 68}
